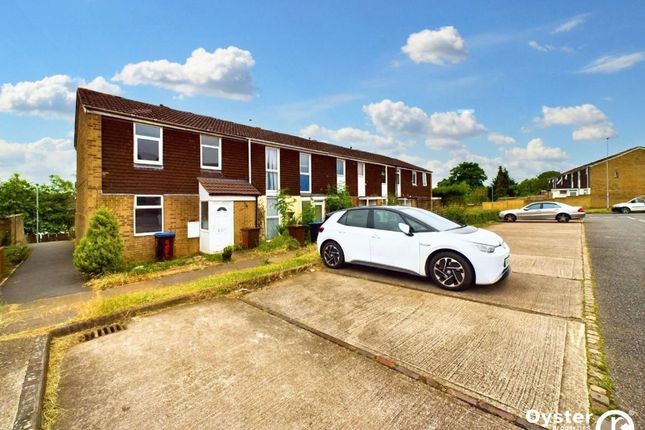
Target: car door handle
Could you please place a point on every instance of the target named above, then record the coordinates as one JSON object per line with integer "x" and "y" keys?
{"x": 374, "y": 236}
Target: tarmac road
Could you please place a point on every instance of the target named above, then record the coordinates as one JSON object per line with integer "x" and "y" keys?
{"x": 617, "y": 246}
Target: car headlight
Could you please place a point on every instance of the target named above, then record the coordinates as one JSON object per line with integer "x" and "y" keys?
{"x": 485, "y": 248}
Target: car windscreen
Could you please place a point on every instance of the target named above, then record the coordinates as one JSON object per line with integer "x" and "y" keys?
{"x": 435, "y": 221}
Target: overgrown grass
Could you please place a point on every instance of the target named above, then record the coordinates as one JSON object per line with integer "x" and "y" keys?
{"x": 469, "y": 216}
{"x": 598, "y": 211}
{"x": 280, "y": 242}
{"x": 57, "y": 350}
{"x": 150, "y": 270}
{"x": 211, "y": 286}
{"x": 13, "y": 256}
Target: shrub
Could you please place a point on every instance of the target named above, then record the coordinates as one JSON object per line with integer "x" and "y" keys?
{"x": 281, "y": 241}
{"x": 14, "y": 254}
{"x": 227, "y": 253}
{"x": 101, "y": 250}
{"x": 461, "y": 215}
{"x": 336, "y": 200}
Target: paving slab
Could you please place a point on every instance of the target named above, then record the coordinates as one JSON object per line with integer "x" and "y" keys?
{"x": 14, "y": 359}
{"x": 225, "y": 364}
{"x": 535, "y": 293}
{"x": 512, "y": 359}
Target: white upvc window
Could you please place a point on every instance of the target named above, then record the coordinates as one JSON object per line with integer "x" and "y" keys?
{"x": 305, "y": 173}
{"x": 148, "y": 214}
{"x": 424, "y": 179}
{"x": 210, "y": 152}
{"x": 272, "y": 218}
{"x": 414, "y": 178}
{"x": 340, "y": 173}
{"x": 148, "y": 144}
{"x": 272, "y": 165}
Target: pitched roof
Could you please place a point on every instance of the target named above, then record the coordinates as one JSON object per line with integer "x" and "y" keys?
{"x": 107, "y": 103}
{"x": 602, "y": 160}
{"x": 229, "y": 187}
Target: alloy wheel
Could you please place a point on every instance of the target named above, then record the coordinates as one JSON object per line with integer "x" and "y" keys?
{"x": 331, "y": 254}
{"x": 449, "y": 272}
{"x": 624, "y": 210}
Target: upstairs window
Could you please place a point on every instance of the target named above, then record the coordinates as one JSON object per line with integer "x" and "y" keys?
{"x": 211, "y": 152}
{"x": 340, "y": 167}
{"x": 148, "y": 215}
{"x": 148, "y": 144}
{"x": 273, "y": 170}
{"x": 305, "y": 173}
{"x": 414, "y": 179}
{"x": 424, "y": 179}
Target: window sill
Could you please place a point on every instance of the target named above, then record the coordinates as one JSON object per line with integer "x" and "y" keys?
{"x": 216, "y": 169}
{"x": 147, "y": 234}
{"x": 148, "y": 166}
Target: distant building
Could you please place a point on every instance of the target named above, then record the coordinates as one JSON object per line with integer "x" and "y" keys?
{"x": 626, "y": 172}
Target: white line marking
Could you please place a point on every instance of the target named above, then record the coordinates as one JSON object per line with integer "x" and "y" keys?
{"x": 632, "y": 218}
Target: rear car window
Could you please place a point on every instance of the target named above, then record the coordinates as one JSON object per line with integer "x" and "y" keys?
{"x": 356, "y": 218}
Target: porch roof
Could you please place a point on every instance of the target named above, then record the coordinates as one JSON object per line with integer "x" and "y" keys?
{"x": 229, "y": 187}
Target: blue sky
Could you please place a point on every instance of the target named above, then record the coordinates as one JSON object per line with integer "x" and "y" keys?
{"x": 532, "y": 86}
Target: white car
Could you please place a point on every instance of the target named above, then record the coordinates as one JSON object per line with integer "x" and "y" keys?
{"x": 636, "y": 204}
{"x": 415, "y": 241}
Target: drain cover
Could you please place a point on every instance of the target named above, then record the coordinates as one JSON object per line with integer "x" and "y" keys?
{"x": 103, "y": 331}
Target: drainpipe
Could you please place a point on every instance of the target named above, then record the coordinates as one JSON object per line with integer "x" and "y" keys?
{"x": 249, "y": 143}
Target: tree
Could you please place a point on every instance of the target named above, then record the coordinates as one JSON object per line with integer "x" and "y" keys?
{"x": 469, "y": 172}
{"x": 503, "y": 185}
{"x": 535, "y": 185}
{"x": 101, "y": 249}
{"x": 18, "y": 196}
{"x": 454, "y": 194}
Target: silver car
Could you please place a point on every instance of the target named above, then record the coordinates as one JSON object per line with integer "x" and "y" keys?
{"x": 545, "y": 211}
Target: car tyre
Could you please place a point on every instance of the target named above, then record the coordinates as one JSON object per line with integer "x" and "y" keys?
{"x": 510, "y": 218}
{"x": 562, "y": 218}
{"x": 625, "y": 210}
{"x": 451, "y": 271}
{"x": 332, "y": 255}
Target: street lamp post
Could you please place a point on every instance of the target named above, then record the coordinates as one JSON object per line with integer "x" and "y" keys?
{"x": 607, "y": 171}
{"x": 37, "y": 214}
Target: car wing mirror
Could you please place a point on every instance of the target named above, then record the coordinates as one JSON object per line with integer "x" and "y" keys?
{"x": 405, "y": 229}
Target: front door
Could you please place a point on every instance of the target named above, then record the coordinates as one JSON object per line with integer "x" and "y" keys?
{"x": 361, "y": 179}
{"x": 221, "y": 225}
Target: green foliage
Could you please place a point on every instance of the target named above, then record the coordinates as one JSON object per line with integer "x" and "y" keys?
{"x": 308, "y": 212}
{"x": 284, "y": 204}
{"x": 281, "y": 241}
{"x": 468, "y": 216}
{"x": 453, "y": 193}
{"x": 503, "y": 185}
{"x": 535, "y": 185}
{"x": 57, "y": 203}
{"x": 392, "y": 200}
{"x": 478, "y": 195}
{"x": 469, "y": 172}
{"x": 336, "y": 200}
{"x": 101, "y": 250}
{"x": 14, "y": 254}
{"x": 227, "y": 254}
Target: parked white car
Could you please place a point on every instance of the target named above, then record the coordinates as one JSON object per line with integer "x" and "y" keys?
{"x": 637, "y": 204}
{"x": 415, "y": 241}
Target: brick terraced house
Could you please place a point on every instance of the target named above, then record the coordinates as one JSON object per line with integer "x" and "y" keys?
{"x": 624, "y": 170}
{"x": 203, "y": 178}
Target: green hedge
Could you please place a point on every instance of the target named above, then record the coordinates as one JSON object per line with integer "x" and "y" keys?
{"x": 468, "y": 216}
{"x": 100, "y": 251}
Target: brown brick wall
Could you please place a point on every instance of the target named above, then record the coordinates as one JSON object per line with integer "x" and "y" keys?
{"x": 324, "y": 173}
{"x": 88, "y": 169}
{"x": 351, "y": 177}
{"x": 407, "y": 189}
{"x": 630, "y": 182}
{"x": 290, "y": 171}
{"x": 374, "y": 176}
{"x": 391, "y": 180}
{"x": 181, "y": 161}
{"x": 258, "y": 177}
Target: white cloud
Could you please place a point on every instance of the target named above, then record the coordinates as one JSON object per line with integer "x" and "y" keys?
{"x": 535, "y": 151}
{"x": 500, "y": 139}
{"x": 571, "y": 23}
{"x": 613, "y": 64}
{"x": 354, "y": 137}
{"x": 549, "y": 48}
{"x": 457, "y": 125}
{"x": 439, "y": 47}
{"x": 51, "y": 97}
{"x": 588, "y": 121}
{"x": 37, "y": 160}
{"x": 225, "y": 73}
{"x": 395, "y": 117}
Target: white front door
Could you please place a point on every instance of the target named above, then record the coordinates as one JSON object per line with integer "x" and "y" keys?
{"x": 398, "y": 182}
{"x": 221, "y": 225}
{"x": 361, "y": 179}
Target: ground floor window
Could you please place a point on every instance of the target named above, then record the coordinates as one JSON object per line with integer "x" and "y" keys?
{"x": 318, "y": 208}
{"x": 273, "y": 218}
{"x": 148, "y": 214}
{"x": 204, "y": 215}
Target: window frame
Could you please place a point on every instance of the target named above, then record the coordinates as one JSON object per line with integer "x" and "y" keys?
{"x": 414, "y": 178}
{"x": 203, "y": 145}
{"x": 134, "y": 213}
{"x": 267, "y": 217}
{"x": 424, "y": 179}
{"x": 135, "y": 146}
{"x": 267, "y": 171}
{"x": 308, "y": 174}
{"x": 201, "y": 215}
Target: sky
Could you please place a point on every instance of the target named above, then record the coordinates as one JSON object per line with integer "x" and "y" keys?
{"x": 532, "y": 86}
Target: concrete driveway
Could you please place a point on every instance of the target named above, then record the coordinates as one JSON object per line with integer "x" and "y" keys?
{"x": 47, "y": 272}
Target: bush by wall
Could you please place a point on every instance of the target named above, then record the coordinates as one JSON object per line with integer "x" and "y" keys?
{"x": 101, "y": 250}
{"x": 468, "y": 216}
{"x": 15, "y": 254}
